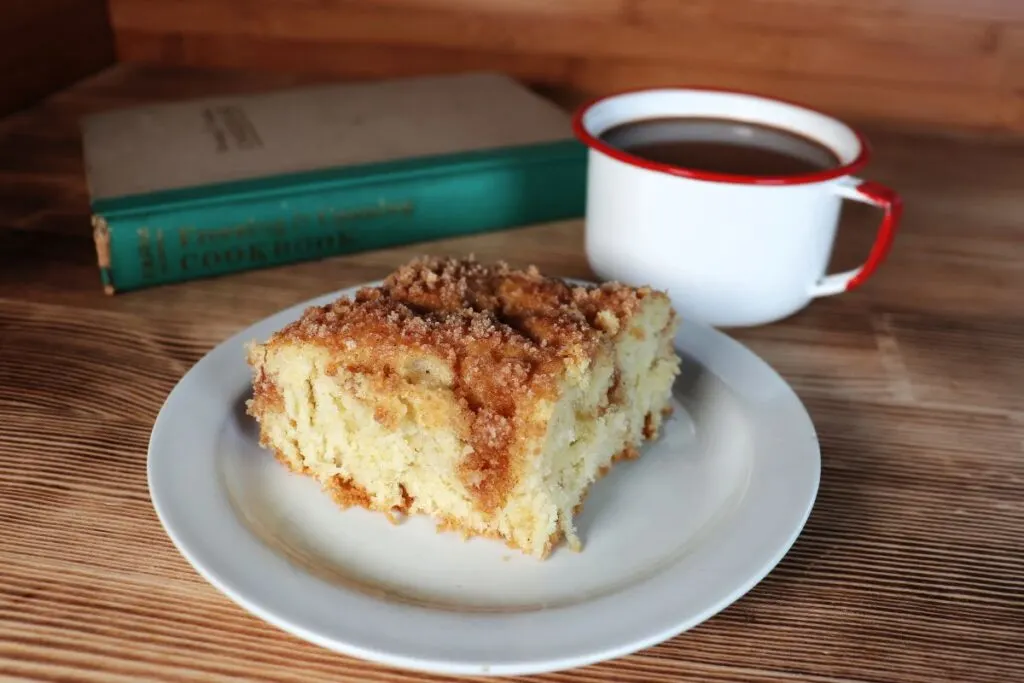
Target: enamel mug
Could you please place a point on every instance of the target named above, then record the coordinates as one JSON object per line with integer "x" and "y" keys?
{"x": 731, "y": 250}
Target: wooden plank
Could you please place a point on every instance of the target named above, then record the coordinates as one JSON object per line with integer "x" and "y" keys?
{"x": 735, "y": 47}
{"x": 844, "y": 22}
{"x": 996, "y": 10}
{"x": 1011, "y": 49}
{"x": 920, "y": 62}
{"x": 935, "y": 105}
{"x": 46, "y": 45}
{"x": 585, "y": 9}
{"x": 572, "y": 80}
{"x": 331, "y": 58}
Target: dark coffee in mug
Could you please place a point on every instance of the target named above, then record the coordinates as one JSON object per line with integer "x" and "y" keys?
{"x": 721, "y": 146}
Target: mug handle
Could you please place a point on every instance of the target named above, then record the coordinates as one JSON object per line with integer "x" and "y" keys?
{"x": 876, "y": 194}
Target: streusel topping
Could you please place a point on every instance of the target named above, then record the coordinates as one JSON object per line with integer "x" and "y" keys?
{"x": 516, "y": 320}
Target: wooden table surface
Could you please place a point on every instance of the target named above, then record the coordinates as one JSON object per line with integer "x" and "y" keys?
{"x": 911, "y": 567}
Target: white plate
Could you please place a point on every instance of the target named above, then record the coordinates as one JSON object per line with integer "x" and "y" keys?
{"x": 670, "y": 539}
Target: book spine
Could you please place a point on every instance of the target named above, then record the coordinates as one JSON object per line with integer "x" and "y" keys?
{"x": 177, "y": 236}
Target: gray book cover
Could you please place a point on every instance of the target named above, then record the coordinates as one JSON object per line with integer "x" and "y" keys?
{"x": 212, "y": 140}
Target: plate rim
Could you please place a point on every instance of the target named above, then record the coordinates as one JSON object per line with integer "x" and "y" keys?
{"x": 224, "y": 577}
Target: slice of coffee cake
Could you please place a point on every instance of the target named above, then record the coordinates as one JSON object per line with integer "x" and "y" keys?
{"x": 485, "y": 397}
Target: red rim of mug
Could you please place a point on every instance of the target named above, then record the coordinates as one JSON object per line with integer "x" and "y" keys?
{"x": 599, "y": 145}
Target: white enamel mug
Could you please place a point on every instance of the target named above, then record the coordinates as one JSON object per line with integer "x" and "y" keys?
{"x": 731, "y": 250}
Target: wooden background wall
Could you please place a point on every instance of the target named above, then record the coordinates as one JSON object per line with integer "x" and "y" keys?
{"x": 46, "y": 45}
{"x": 920, "y": 61}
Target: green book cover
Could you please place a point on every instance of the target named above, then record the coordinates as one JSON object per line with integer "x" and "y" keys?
{"x": 206, "y": 187}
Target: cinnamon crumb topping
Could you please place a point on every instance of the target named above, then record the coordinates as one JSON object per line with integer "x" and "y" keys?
{"x": 265, "y": 396}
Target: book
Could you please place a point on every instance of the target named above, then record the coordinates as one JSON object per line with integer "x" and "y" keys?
{"x": 210, "y": 186}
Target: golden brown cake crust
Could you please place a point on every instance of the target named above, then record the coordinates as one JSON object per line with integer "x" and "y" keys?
{"x": 265, "y": 393}
{"x": 507, "y": 336}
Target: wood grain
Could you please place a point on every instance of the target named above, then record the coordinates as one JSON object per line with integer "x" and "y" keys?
{"x": 918, "y": 61}
{"x": 910, "y": 569}
{"x": 46, "y": 45}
